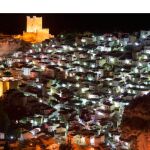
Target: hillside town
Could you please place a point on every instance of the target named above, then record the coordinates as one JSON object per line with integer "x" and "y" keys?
{"x": 74, "y": 91}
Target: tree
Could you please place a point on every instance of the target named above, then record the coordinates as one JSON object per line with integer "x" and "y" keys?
{"x": 135, "y": 125}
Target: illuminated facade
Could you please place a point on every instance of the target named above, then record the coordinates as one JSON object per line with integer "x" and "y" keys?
{"x": 34, "y": 24}
{"x": 34, "y": 31}
{"x": 6, "y": 85}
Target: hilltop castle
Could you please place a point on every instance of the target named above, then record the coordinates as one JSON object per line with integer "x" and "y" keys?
{"x": 34, "y": 32}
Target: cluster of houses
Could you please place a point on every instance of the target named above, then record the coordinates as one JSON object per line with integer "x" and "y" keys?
{"x": 78, "y": 91}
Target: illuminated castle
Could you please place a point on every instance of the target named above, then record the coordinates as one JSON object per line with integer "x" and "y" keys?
{"x": 34, "y": 32}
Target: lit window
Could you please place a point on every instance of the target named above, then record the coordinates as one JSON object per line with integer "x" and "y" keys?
{"x": 92, "y": 141}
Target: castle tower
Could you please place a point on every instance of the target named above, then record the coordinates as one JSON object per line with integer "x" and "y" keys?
{"x": 34, "y": 24}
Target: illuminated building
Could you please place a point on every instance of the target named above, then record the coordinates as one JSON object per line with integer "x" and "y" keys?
{"x": 1, "y": 88}
{"x": 6, "y": 85}
{"x": 26, "y": 71}
{"x": 34, "y": 32}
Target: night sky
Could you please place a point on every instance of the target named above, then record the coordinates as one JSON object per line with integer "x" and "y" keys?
{"x": 57, "y": 23}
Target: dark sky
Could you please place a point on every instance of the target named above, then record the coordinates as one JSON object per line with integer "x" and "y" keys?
{"x": 16, "y": 23}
